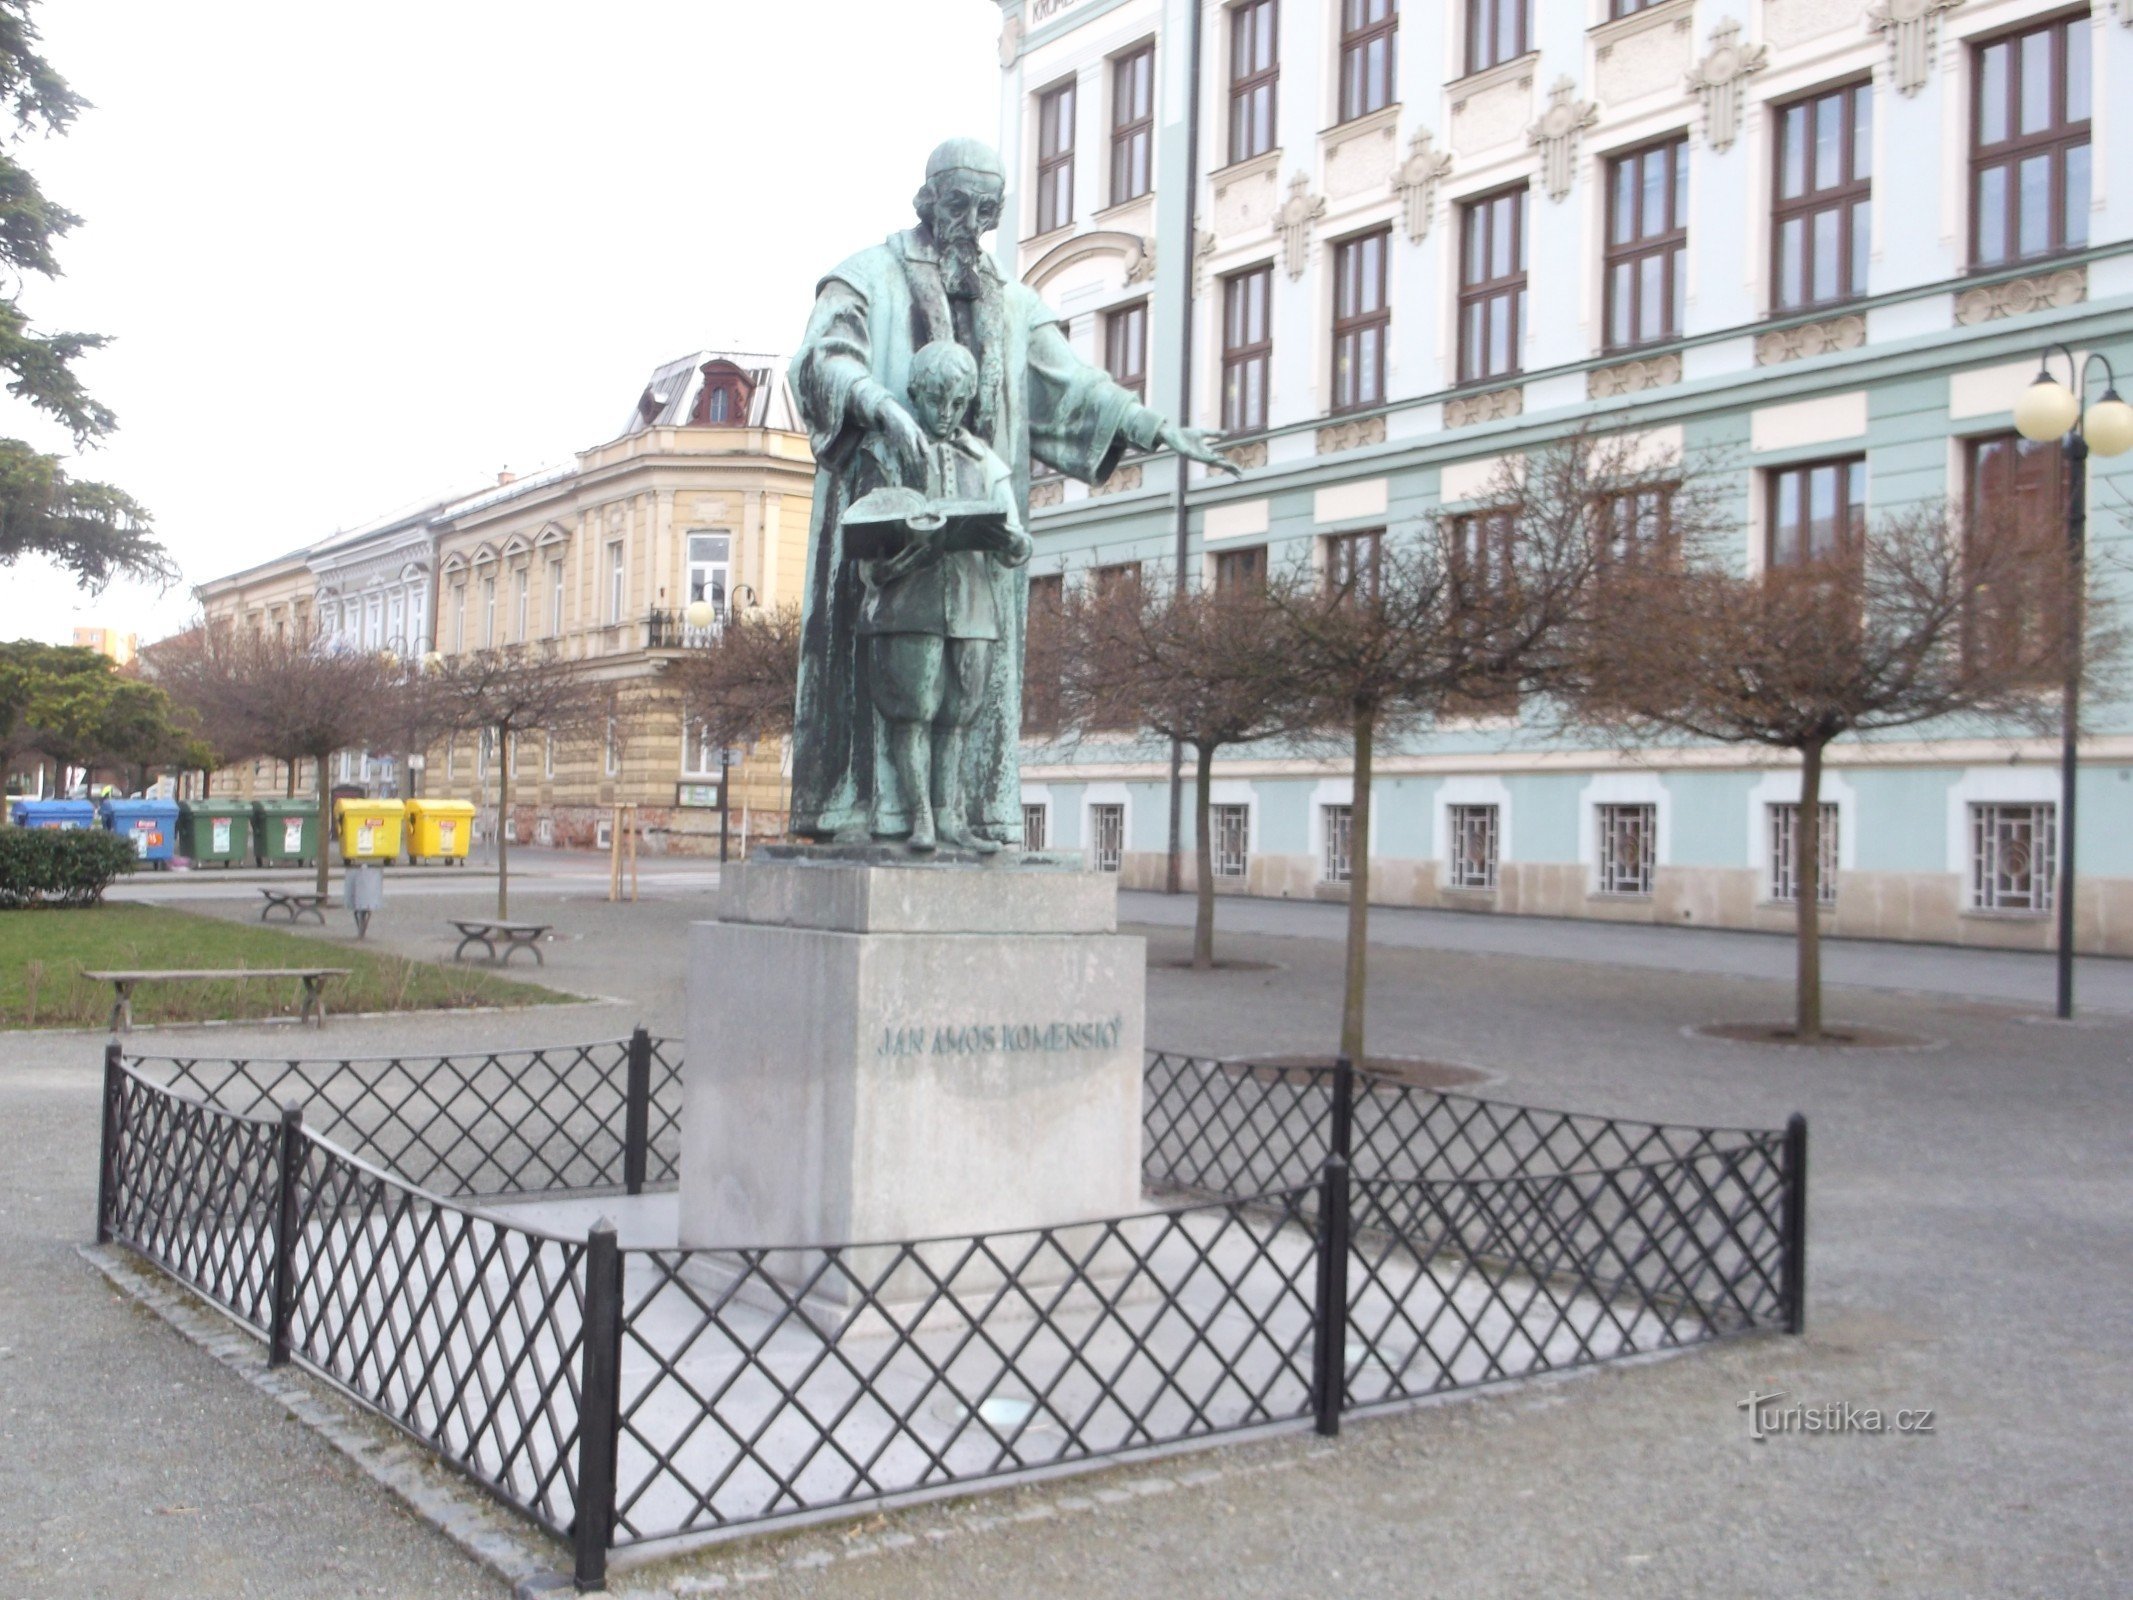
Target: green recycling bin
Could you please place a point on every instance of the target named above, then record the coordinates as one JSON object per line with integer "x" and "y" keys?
{"x": 285, "y": 832}
{"x": 215, "y": 832}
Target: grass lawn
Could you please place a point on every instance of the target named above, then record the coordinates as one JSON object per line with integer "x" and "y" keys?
{"x": 43, "y": 953}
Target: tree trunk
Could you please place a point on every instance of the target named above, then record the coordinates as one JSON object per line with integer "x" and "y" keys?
{"x": 503, "y": 827}
{"x": 1203, "y": 917}
{"x": 1807, "y": 885}
{"x": 1357, "y": 987}
{"x": 325, "y": 817}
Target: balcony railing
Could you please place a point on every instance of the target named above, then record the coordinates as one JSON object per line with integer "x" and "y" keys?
{"x": 670, "y": 630}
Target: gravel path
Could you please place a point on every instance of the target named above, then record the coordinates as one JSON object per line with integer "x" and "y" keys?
{"x": 1973, "y": 1210}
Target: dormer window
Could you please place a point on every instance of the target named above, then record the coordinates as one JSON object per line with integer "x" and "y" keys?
{"x": 722, "y": 402}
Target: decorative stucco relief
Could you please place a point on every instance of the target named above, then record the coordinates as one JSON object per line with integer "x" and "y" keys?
{"x": 2018, "y": 296}
{"x": 1790, "y": 22}
{"x": 1492, "y": 116}
{"x": 1463, "y": 411}
{"x": 1556, "y": 135}
{"x": 1809, "y": 339}
{"x": 1338, "y": 436}
{"x": 1248, "y": 456}
{"x": 1631, "y": 377}
{"x": 1643, "y": 61}
{"x": 1416, "y": 183}
{"x": 1299, "y": 214}
{"x": 1912, "y": 26}
{"x": 1127, "y": 477}
{"x": 1046, "y": 492}
{"x": 1718, "y": 79}
{"x": 1361, "y": 159}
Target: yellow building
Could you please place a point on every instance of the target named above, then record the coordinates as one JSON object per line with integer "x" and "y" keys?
{"x": 120, "y": 647}
{"x": 705, "y": 495}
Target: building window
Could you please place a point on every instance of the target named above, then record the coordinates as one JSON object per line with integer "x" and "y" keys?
{"x": 1119, "y": 578}
{"x": 1238, "y": 571}
{"x": 1035, "y": 816}
{"x": 611, "y": 749}
{"x": 1637, "y": 528}
{"x": 524, "y": 599}
{"x": 1492, "y": 285}
{"x": 2017, "y": 492}
{"x": 547, "y": 755}
{"x": 1229, "y": 830}
{"x": 1055, "y": 157}
{"x": 1254, "y": 68}
{"x": 1479, "y": 559}
{"x": 1107, "y": 837}
{"x": 2013, "y": 856}
{"x": 722, "y": 401}
{"x": 2029, "y": 154}
{"x": 1629, "y": 8}
{"x": 617, "y": 582}
{"x": 484, "y": 750}
{"x": 1473, "y": 863}
{"x": 1823, "y": 206}
{"x": 1627, "y": 847}
{"x": 451, "y": 756}
{"x": 1133, "y": 125}
{"x": 708, "y": 557}
{"x": 1647, "y": 243}
{"x": 1247, "y": 347}
{"x": 1496, "y": 32}
{"x": 511, "y": 753}
{"x": 1355, "y": 563}
{"x": 1816, "y": 511}
{"x": 1369, "y": 31}
{"x": 555, "y": 598}
{"x": 1126, "y": 347}
{"x": 1361, "y": 320}
{"x": 1337, "y": 862}
{"x": 1785, "y": 855}
{"x": 488, "y": 611}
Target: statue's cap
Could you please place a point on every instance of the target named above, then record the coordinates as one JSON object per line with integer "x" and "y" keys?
{"x": 965, "y": 155}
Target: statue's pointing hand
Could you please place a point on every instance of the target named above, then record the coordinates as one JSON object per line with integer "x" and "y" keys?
{"x": 1198, "y": 444}
{"x": 900, "y": 431}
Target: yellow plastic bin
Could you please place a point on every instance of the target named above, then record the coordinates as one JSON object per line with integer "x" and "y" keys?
{"x": 369, "y": 830}
{"x": 439, "y": 830}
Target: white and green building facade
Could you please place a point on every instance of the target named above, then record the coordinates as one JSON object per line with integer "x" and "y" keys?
{"x": 1821, "y": 245}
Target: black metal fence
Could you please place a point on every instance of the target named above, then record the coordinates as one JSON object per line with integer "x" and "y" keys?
{"x": 1342, "y": 1242}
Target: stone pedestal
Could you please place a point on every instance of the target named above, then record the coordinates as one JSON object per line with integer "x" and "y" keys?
{"x": 898, "y": 1051}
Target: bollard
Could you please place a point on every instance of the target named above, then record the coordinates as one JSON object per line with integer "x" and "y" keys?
{"x": 1329, "y": 1352}
{"x": 1795, "y": 1281}
{"x": 637, "y": 1111}
{"x": 599, "y": 1406}
{"x": 107, "y": 1144}
{"x": 286, "y": 1217}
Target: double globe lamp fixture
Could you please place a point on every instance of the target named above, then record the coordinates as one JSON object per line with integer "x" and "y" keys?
{"x": 2049, "y": 410}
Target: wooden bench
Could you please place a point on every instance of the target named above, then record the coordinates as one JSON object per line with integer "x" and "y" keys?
{"x": 122, "y": 984}
{"x": 294, "y": 903}
{"x": 515, "y": 936}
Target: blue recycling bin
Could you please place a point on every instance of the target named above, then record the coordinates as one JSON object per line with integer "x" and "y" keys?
{"x": 152, "y": 825}
{"x": 55, "y": 814}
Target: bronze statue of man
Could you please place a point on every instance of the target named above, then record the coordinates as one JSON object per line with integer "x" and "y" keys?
{"x": 1034, "y": 399}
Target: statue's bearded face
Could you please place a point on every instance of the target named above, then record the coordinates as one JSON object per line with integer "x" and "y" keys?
{"x": 965, "y": 207}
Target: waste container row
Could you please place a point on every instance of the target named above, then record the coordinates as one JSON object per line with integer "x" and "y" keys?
{"x": 274, "y": 833}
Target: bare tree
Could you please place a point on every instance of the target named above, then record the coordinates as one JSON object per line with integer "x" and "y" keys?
{"x": 740, "y": 686}
{"x": 298, "y": 696}
{"x": 1456, "y": 617}
{"x": 1913, "y": 620}
{"x": 1207, "y": 668}
{"x": 505, "y": 694}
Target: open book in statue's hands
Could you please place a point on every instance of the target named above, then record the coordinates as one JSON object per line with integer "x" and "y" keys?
{"x": 890, "y": 520}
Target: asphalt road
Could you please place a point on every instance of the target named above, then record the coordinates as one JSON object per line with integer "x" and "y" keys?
{"x": 1972, "y": 1216}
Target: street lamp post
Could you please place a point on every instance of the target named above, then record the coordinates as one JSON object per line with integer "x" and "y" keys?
{"x": 2049, "y": 410}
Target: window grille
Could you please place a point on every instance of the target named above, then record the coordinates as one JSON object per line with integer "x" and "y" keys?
{"x": 1339, "y": 857}
{"x": 1034, "y": 818}
{"x": 1627, "y": 848}
{"x": 1230, "y": 836}
{"x": 1785, "y": 855}
{"x": 1107, "y": 837}
{"x": 1473, "y": 863}
{"x": 2013, "y": 851}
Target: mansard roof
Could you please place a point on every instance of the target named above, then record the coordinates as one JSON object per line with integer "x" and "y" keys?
{"x": 669, "y": 397}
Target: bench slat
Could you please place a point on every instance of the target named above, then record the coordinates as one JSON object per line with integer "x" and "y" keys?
{"x": 220, "y": 972}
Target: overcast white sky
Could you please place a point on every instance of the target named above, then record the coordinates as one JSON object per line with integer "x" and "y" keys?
{"x": 355, "y": 256}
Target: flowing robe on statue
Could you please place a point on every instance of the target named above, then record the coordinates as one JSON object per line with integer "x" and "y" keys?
{"x": 1036, "y": 399}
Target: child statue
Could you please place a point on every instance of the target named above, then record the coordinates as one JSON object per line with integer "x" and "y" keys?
{"x": 931, "y": 558}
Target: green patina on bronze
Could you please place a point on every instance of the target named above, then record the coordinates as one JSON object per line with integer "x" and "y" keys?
{"x": 910, "y": 694}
